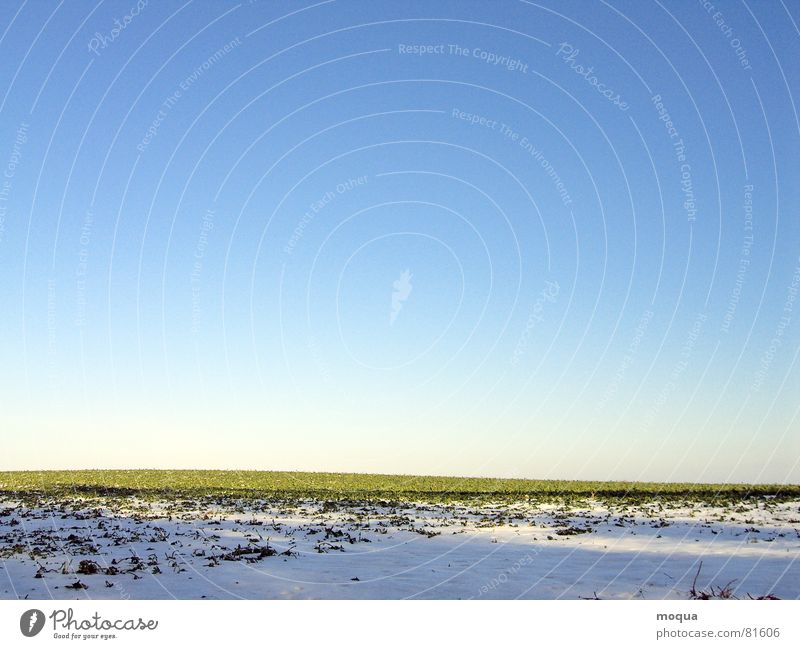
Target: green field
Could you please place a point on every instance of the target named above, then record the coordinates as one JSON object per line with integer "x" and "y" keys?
{"x": 356, "y": 486}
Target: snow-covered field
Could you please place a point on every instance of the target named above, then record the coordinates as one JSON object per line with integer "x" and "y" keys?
{"x": 127, "y": 548}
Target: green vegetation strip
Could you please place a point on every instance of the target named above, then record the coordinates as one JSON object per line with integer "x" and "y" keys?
{"x": 342, "y": 486}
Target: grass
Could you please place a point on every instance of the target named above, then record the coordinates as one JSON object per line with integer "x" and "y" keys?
{"x": 358, "y": 486}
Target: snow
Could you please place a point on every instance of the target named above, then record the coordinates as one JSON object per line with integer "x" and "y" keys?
{"x": 191, "y": 549}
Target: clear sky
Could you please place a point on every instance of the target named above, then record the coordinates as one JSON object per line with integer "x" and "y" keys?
{"x": 554, "y": 239}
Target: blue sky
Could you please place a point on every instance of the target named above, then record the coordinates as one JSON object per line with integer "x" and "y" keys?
{"x": 470, "y": 238}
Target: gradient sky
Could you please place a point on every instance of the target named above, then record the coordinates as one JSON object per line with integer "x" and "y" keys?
{"x": 208, "y": 209}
